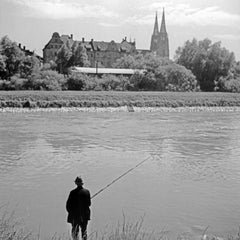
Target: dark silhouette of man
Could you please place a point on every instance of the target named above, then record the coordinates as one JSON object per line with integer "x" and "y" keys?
{"x": 77, "y": 206}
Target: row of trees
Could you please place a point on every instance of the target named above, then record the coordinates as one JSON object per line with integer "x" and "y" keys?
{"x": 161, "y": 74}
{"x": 208, "y": 61}
{"x": 69, "y": 56}
{"x": 198, "y": 65}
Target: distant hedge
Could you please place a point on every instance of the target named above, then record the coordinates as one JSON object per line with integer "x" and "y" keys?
{"x": 57, "y": 99}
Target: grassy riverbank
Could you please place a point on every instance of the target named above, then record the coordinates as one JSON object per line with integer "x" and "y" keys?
{"x": 12, "y": 228}
{"x": 59, "y": 99}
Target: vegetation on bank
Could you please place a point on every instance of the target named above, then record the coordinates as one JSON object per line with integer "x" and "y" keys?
{"x": 198, "y": 66}
{"x": 58, "y": 99}
{"x": 12, "y": 228}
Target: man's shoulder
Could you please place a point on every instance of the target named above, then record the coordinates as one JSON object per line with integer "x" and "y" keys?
{"x": 85, "y": 190}
{"x": 74, "y": 191}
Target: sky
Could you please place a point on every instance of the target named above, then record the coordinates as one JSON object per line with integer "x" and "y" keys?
{"x": 32, "y": 22}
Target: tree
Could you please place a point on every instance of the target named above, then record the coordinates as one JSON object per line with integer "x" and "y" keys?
{"x": 46, "y": 80}
{"x": 76, "y": 81}
{"x": 28, "y": 65}
{"x": 178, "y": 78}
{"x": 2, "y": 66}
{"x": 12, "y": 57}
{"x": 63, "y": 56}
{"x": 231, "y": 83}
{"x": 79, "y": 56}
{"x": 207, "y": 61}
{"x": 152, "y": 62}
{"x": 132, "y": 62}
{"x": 138, "y": 61}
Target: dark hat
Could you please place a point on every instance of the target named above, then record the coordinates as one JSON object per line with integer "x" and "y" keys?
{"x": 78, "y": 180}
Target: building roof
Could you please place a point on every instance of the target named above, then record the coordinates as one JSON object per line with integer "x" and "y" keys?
{"x": 124, "y": 46}
{"x": 115, "y": 71}
{"x": 66, "y": 38}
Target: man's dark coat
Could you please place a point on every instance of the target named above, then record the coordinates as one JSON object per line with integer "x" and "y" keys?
{"x": 77, "y": 205}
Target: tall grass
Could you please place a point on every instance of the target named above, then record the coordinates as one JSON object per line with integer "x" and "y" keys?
{"x": 12, "y": 228}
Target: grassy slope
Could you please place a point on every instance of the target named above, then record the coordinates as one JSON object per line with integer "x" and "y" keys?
{"x": 116, "y": 99}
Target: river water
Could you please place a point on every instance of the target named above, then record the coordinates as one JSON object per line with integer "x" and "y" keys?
{"x": 190, "y": 182}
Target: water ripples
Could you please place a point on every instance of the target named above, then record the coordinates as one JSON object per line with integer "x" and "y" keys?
{"x": 195, "y": 158}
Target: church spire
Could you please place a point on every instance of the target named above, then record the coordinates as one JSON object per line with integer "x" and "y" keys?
{"x": 163, "y": 24}
{"x": 156, "y": 29}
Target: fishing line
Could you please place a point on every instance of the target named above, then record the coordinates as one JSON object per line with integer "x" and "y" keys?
{"x": 118, "y": 178}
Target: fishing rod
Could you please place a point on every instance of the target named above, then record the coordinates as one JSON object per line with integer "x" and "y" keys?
{"x": 118, "y": 178}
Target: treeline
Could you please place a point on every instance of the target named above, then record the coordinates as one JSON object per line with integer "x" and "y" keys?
{"x": 198, "y": 66}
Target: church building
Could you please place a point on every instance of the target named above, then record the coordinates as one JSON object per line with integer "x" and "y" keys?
{"x": 104, "y": 53}
{"x": 159, "y": 41}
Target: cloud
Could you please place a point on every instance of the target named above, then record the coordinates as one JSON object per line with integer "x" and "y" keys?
{"x": 104, "y": 24}
{"x": 227, "y": 37}
{"x": 60, "y": 9}
{"x": 185, "y": 15}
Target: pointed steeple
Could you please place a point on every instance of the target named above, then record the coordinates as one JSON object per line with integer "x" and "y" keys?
{"x": 163, "y": 24}
{"x": 156, "y": 29}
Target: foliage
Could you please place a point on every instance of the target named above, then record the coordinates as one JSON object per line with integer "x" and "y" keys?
{"x": 178, "y": 78}
{"x": 49, "y": 66}
{"x": 46, "y": 80}
{"x": 11, "y": 58}
{"x": 151, "y": 62}
{"x": 111, "y": 82}
{"x": 76, "y": 81}
{"x": 231, "y": 83}
{"x": 67, "y": 57}
{"x": 161, "y": 74}
{"x": 2, "y": 66}
{"x": 138, "y": 61}
{"x": 28, "y": 65}
{"x": 171, "y": 77}
{"x": 63, "y": 56}
{"x": 116, "y": 98}
{"x": 133, "y": 62}
{"x": 79, "y": 56}
{"x": 145, "y": 81}
{"x": 208, "y": 61}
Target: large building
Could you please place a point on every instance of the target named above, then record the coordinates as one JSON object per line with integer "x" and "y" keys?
{"x": 159, "y": 42}
{"x": 106, "y": 53}
{"x": 103, "y": 53}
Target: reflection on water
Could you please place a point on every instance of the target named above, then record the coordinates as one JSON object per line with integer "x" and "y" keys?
{"x": 192, "y": 178}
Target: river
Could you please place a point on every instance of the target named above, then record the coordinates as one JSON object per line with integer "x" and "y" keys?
{"x": 190, "y": 182}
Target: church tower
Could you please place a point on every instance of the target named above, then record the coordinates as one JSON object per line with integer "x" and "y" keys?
{"x": 159, "y": 41}
{"x": 155, "y": 36}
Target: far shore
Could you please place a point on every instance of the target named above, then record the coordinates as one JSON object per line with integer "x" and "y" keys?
{"x": 112, "y": 101}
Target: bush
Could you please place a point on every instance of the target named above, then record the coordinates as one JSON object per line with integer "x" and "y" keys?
{"x": 47, "y": 80}
{"x": 76, "y": 81}
{"x": 146, "y": 81}
{"x": 231, "y": 85}
{"x": 179, "y": 79}
{"x": 15, "y": 83}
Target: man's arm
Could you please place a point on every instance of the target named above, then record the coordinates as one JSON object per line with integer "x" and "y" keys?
{"x": 88, "y": 198}
{"x": 69, "y": 203}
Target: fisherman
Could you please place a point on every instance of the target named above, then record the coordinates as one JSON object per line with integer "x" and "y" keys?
{"x": 77, "y": 206}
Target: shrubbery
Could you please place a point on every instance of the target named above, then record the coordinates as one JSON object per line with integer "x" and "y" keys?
{"x": 171, "y": 77}
{"x": 46, "y": 80}
{"x": 208, "y": 61}
{"x": 212, "y": 65}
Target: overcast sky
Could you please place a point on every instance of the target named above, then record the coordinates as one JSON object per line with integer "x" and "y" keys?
{"x": 32, "y": 22}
